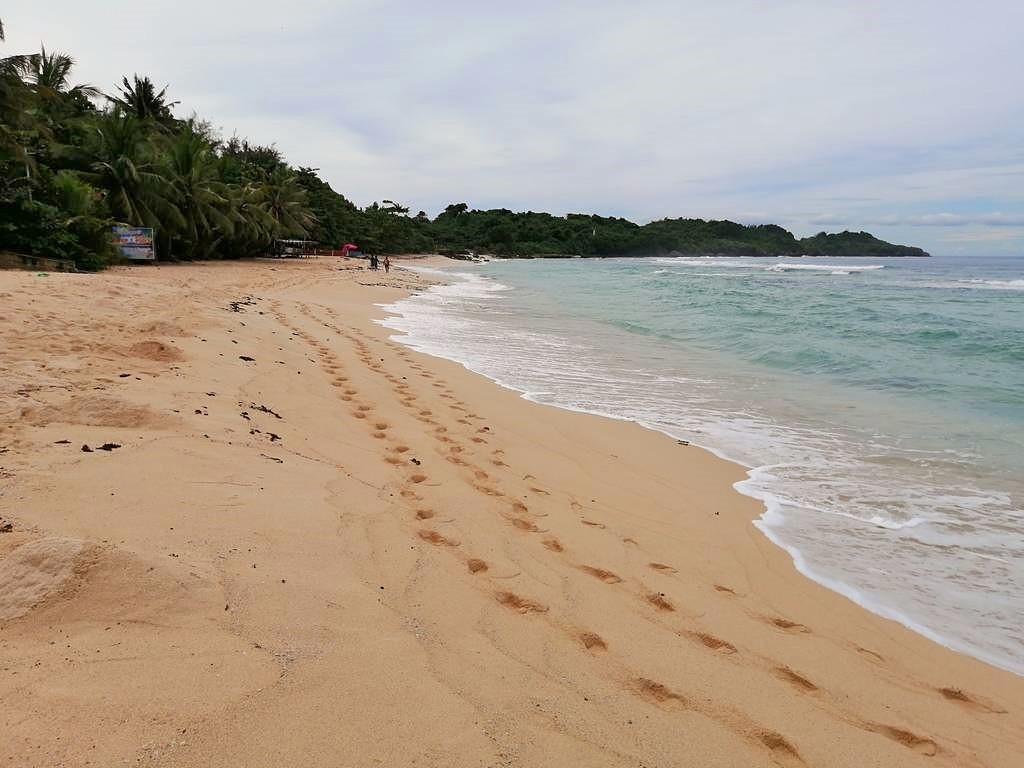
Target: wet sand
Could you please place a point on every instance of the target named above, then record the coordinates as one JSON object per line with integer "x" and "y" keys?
{"x": 247, "y": 529}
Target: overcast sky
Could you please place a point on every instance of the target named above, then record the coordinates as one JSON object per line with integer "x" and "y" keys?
{"x": 903, "y": 118}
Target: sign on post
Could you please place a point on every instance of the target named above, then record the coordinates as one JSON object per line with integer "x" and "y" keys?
{"x": 135, "y": 242}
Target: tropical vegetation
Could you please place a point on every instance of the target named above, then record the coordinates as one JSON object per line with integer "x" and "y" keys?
{"x": 75, "y": 161}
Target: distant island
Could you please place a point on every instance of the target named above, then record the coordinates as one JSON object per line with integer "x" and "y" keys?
{"x": 459, "y": 230}
{"x": 77, "y": 165}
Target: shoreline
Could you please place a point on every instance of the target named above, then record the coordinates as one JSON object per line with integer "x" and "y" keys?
{"x": 746, "y": 487}
{"x": 580, "y": 589}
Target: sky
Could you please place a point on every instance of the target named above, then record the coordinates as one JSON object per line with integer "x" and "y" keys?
{"x": 902, "y": 118}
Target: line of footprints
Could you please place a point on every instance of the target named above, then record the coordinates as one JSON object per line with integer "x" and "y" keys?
{"x": 517, "y": 514}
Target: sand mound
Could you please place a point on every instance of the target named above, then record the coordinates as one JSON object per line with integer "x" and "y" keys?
{"x": 161, "y": 328}
{"x": 93, "y": 411}
{"x": 34, "y": 571}
{"x": 155, "y": 350}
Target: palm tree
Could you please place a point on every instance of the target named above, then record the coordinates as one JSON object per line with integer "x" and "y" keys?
{"x": 122, "y": 164}
{"x": 253, "y": 228}
{"x": 15, "y": 122}
{"x": 84, "y": 217}
{"x": 50, "y": 73}
{"x": 285, "y": 201}
{"x": 140, "y": 98}
{"x": 200, "y": 197}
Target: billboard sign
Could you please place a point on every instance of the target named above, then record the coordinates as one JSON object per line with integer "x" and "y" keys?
{"x": 135, "y": 242}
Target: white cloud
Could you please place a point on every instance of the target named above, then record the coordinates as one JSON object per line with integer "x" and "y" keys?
{"x": 872, "y": 111}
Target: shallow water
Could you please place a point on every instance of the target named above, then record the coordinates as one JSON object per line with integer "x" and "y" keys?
{"x": 878, "y": 403}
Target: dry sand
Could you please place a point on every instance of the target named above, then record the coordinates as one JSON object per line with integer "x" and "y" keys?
{"x": 343, "y": 553}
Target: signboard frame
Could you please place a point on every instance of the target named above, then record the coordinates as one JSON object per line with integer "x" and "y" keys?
{"x": 135, "y": 243}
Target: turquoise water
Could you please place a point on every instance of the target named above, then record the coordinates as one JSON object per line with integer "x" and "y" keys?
{"x": 878, "y": 404}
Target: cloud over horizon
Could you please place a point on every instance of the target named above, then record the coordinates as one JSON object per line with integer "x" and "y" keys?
{"x": 905, "y": 118}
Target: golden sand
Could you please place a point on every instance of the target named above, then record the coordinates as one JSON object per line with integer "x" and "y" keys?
{"x": 251, "y": 530}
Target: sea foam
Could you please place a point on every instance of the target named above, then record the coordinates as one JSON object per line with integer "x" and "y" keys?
{"x": 854, "y": 486}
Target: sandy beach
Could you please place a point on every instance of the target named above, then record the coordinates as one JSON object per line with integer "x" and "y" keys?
{"x": 246, "y": 528}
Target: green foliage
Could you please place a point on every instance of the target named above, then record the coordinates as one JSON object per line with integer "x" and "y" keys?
{"x": 72, "y": 227}
{"x": 70, "y": 169}
{"x": 337, "y": 219}
{"x": 854, "y": 244}
{"x": 197, "y": 193}
{"x": 459, "y": 229}
{"x": 125, "y": 162}
{"x": 35, "y": 227}
{"x": 139, "y": 97}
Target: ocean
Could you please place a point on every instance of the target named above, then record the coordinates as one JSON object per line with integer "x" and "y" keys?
{"x": 877, "y": 404}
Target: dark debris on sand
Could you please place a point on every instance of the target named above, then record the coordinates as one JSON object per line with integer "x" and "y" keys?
{"x": 245, "y": 301}
{"x": 265, "y": 409}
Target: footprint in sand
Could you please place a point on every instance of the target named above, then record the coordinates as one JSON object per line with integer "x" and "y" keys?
{"x": 518, "y": 603}
{"x": 524, "y": 525}
{"x": 959, "y": 696}
{"x": 553, "y": 544}
{"x": 435, "y": 538}
{"x": 487, "y": 490}
{"x": 869, "y": 653}
{"x": 785, "y": 624}
{"x": 593, "y": 641}
{"x": 600, "y": 573}
{"x": 476, "y": 565}
{"x": 662, "y": 568}
{"x": 712, "y": 642}
{"x": 795, "y": 679}
{"x": 658, "y": 692}
{"x": 920, "y": 744}
{"x": 783, "y": 753}
{"x": 659, "y": 601}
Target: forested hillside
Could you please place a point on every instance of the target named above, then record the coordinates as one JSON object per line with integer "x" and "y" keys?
{"x": 75, "y": 160}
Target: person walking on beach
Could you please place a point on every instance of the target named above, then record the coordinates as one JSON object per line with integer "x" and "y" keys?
{"x": 387, "y": 263}
{"x": 373, "y": 261}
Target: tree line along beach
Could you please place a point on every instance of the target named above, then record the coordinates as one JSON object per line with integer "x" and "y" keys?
{"x": 275, "y": 512}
